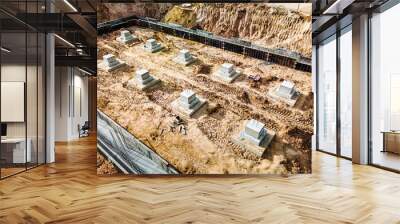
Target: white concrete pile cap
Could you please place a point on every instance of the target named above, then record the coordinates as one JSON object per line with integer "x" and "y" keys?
{"x": 184, "y": 51}
{"x": 142, "y": 72}
{"x": 228, "y": 66}
{"x": 255, "y": 125}
{"x": 108, "y": 56}
{"x": 187, "y": 93}
{"x": 287, "y": 84}
{"x": 151, "y": 41}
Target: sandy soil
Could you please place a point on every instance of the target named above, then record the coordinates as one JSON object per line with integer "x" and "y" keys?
{"x": 104, "y": 166}
{"x": 266, "y": 25}
{"x": 207, "y": 147}
{"x": 111, "y": 11}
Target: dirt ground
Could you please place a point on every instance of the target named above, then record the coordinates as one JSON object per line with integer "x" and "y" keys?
{"x": 207, "y": 147}
{"x": 105, "y": 166}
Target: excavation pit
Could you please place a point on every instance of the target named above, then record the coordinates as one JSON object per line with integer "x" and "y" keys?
{"x": 206, "y": 146}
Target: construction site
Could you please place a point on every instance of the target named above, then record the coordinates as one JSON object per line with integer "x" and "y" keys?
{"x": 205, "y": 88}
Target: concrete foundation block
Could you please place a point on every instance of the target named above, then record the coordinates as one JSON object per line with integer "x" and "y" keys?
{"x": 111, "y": 63}
{"x": 152, "y": 46}
{"x": 227, "y": 73}
{"x": 285, "y": 92}
{"x": 126, "y": 37}
{"x": 143, "y": 80}
{"x": 184, "y": 57}
{"x": 188, "y": 104}
{"x": 255, "y": 138}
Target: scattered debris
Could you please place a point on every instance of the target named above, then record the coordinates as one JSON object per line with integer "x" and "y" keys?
{"x": 255, "y": 80}
{"x": 178, "y": 124}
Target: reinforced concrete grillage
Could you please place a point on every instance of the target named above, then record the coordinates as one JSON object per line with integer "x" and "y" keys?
{"x": 188, "y": 103}
{"x": 184, "y": 57}
{"x": 286, "y": 92}
{"x": 143, "y": 80}
{"x": 227, "y": 73}
{"x": 152, "y": 46}
{"x": 126, "y": 37}
{"x": 255, "y": 138}
{"x": 111, "y": 63}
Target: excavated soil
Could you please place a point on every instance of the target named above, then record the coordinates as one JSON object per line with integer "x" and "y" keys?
{"x": 207, "y": 146}
{"x": 104, "y": 166}
{"x": 262, "y": 24}
{"x": 111, "y": 11}
{"x": 268, "y": 25}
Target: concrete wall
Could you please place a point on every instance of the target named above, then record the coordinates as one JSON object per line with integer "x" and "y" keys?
{"x": 92, "y": 89}
{"x": 71, "y": 102}
{"x": 360, "y": 90}
{"x": 80, "y": 112}
{"x": 314, "y": 90}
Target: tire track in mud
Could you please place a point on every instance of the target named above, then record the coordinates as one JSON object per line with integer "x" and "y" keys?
{"x": 213, "y": 88}
{"x": 228, "y": 96}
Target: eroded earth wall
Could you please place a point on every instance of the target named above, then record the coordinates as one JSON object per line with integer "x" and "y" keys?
{"x": 274, "y": 27}
{"x": 266, "y": 25}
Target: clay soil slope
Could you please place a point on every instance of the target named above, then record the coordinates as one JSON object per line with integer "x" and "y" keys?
{"x": 263, "y": 24}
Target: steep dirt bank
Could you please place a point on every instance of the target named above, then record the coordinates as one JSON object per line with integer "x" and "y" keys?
{"x": 267, "y": 25}
{"x": 274, "y": 27}
{"x": 110, "y": 11}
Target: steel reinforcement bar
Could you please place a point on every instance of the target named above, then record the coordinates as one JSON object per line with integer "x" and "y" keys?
{"x": 278, "y": 56}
